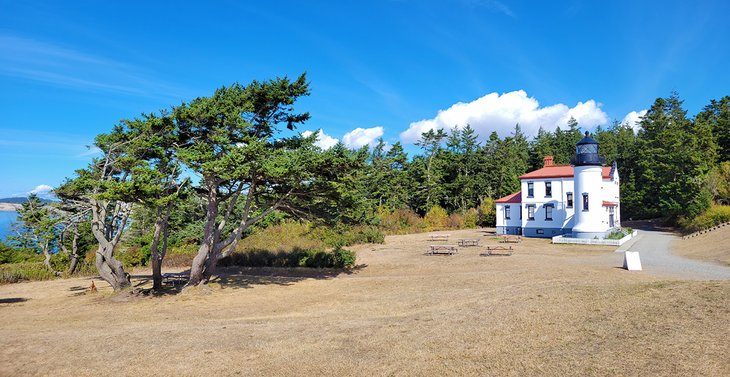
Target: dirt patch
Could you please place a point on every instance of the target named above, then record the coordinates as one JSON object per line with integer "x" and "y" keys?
{"x": 545, "y": 310}
{"x": 709, "y": 247}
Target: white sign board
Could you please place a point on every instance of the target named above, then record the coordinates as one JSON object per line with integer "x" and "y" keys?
{"x": 632, "y": 261}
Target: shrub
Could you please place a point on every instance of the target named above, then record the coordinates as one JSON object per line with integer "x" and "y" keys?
{"x": 436, "y": 218}
{"x": 315, "y": 258}
{"x": 616, "y": 235}
{"x": 471, "y": 216}
{"x": 180, "y": 256}
{"x": 287, "y": 236}
{"x": 456, "y": 221}
{"x": 487, "y": 212}
{"x": 134, "y": 256}
{"x": 15, "y": 272}
{"x": 342, "y": 235}
{"x": 343, "y": 258}
{"x": 9, "y": 254}
{"x": 715, "y": 215}
{"x": 400, "y": 221}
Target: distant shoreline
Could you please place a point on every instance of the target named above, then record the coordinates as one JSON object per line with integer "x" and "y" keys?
{"x": 9, "y": 207}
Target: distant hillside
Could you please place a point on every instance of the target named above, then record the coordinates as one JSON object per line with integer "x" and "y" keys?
{"x": 21, "y": 200}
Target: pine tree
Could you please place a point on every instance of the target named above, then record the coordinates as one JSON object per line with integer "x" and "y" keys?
{"x": 673, "y": 158}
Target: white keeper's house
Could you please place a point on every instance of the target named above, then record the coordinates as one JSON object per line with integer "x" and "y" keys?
{"x": 579, "y": 200}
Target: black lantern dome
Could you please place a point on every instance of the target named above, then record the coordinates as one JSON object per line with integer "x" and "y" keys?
{"x": 586, "y": 152}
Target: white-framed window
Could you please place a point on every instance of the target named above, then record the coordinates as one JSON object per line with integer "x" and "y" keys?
{"x": 548, "y": 212}
{"x": 548, "y": 189}
{"x": 569, "y": 200}
{"x": 530, "y": 189}
{"x": 506, "y": 212}
{"x": 530, "y": 212}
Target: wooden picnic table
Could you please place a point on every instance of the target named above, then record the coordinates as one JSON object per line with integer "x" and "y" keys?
{"x": 497, "y": 250}
{"x": 466, "y": 242}
{"x": 443, "y": 249}
{"x": 508, "y": 239}
{"x": 438, "y": 237}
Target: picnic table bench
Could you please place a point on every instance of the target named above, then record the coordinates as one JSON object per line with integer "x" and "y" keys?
{"x": 497, "y": 250}
{"x": 443, "y": 249}
{"x": 174, "y": 279}
{"x": 438, "y": 237}
{"x": 466, "y": 242}
{"x": 508, "y": 239}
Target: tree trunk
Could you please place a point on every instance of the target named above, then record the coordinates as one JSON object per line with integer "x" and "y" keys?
{"x": 211, "y": 263}
{"x": 74, "y": 254}
{"x": 110, "y": 269}
{"x": 72, "y": 265}
{"x": 197, "y": 270}
{"x": 156, "y": 255}
{"x": 47, "y": 259}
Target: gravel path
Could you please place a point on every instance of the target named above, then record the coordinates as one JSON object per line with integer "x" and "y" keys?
{"x": 654, "y": 247}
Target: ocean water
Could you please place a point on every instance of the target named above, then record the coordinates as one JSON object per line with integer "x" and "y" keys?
{"x": 6, "y": 218}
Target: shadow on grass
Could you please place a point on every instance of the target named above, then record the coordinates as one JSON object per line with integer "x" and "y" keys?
{"x": 237, "y": 277}
{"x": 13, "y": 300}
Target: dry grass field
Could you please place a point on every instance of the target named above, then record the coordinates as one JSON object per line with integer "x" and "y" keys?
{"x": 711, "y": 247}
{"x": 546, "y": 310}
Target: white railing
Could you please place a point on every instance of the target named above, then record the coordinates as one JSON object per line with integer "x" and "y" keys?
{"x": 593, "y": 241}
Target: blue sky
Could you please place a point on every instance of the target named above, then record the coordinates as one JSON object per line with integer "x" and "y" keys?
{"x": 71, "y": 70}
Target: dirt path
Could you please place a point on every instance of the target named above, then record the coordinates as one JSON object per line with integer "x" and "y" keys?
{"x": 548, "y": 310}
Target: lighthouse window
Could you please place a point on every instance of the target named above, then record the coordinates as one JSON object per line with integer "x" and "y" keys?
{"x": 587, "y": 149}
{"x": 506, "y": 212}
{"x": 569, "y": 201}
{"x": 530, "y": 190}
{"x": 548, "y": 211}
{"x": 548, "y": 189}
{"x": 585, "y": 201}
{"x": 530, "y": 212}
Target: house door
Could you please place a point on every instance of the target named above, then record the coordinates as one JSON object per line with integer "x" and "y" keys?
{"x": 611, "y": 222}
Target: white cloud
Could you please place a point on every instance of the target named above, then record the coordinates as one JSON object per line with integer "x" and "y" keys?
{"x": 362, "y": 136}
{"x": 495, "y": 112}
{"x": 633, "y": 118}
{"x": 324, "y": 141}
{"x": 41, "y": 190}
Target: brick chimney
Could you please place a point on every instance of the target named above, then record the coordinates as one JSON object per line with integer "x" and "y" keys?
{"x": 547, "y": 161}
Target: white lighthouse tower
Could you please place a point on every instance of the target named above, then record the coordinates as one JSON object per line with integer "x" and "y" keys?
{"x": 588, "y": 175}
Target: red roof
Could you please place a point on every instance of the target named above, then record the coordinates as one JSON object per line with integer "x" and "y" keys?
{"x": 559, "y": 171}
{"x": 609, "y": 204}
{"x": 511, "y": 198}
